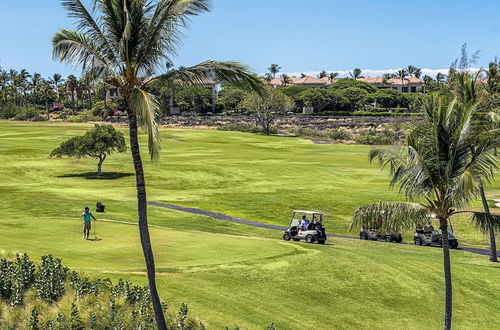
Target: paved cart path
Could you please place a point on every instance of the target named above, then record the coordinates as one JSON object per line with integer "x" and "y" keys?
{"x": 224, "y": 217}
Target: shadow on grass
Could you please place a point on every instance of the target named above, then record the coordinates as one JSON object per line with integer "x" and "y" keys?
{"x": 94, "y": 176}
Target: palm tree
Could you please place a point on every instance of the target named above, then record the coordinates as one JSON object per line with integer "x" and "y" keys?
{"x": 268, "y": 77}
{"x": 285, "y": 80}
{"x": 401, "y": 74}
{"x": 23, "y": 83}
{"x": 467, "y": 92}
{"x": 440, "y": 77}
{"x": 128, "y": 41}
{"x": 4, "y": 81}
{"x": 433, "y": 169}
{"x": 332, "y": 76}
{"x": 35, "y": 82}
{"x": 274, "y": 69}
{"x": 322, "y": 74}
{"x": 72, "y": 84}
{"x": 355, "y": 74}
{"x": 56, "y": 79}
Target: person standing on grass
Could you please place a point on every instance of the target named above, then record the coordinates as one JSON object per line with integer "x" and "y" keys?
{"x": 87, "y": 218}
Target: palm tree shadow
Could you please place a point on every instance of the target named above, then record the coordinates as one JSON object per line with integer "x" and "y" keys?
{"x": 94, "y": 176}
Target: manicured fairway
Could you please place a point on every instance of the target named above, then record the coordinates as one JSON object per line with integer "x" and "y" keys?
{"x": 232, "y": 274}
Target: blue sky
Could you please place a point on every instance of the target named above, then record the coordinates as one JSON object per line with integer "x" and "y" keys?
{"x": 299, "y": 35}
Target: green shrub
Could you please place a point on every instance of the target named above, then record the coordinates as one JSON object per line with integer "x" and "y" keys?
{"x": 11, "y": 111}
{"x": 328, "y": 134}
{"x": 83, "y": 117}
{"x": 50, "y": 279}
{"x": 339, "y": 134}
{"x": 98, "y": 304}
{"x": 245, "y": 127}
{"x": 373, "y": 137}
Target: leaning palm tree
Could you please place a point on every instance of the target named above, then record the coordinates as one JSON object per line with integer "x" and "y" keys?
{"x": 128, "y": 41}
{"x": 486, "y": 141}
{"x": 440, "y": 77}
{"x": 433, "y": 171}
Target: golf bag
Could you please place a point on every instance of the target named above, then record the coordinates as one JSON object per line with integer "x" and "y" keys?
{"x": 99, "y": 207}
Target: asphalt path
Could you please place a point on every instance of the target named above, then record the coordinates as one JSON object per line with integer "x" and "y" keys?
{"x": 224, "y": 217}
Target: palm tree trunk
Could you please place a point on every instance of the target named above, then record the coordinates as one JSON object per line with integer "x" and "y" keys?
{"x": 493, "y": 245}
{"x": 143, "y": 221}
{"x": 447, "y": 275}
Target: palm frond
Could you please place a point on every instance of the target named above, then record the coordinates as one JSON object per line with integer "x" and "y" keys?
{"x": 146, "y": 107}
{"x": 484, "y": 221}
{"x": 390, "y": 215}
{"x": 233, "y": 73}
{"x": 77, "y": 48}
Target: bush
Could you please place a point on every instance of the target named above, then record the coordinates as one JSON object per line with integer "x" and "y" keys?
{"x": 83, "y": 117}
{"x": 328, "y": 134}
{"x": 10, "y": 111}
{"x": 245, "y": 127}
{"x": 50, "y": 278}
{"x": 98, "y": 304}
{"x": 373, "y": 137}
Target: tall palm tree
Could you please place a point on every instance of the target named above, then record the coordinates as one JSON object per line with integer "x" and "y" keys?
{"x": 35, "y": 83}
{"x": 23, "y": 83}
{"x": 468, "y": 92}
{"x": 274, "y": 69}
{"x": 128, "y": 41}
{"x": 56, "y": 79}
{"x": 434, "y": 169}
{"x": 4, "y": 82}
{"x": 355, "y": 74}
{"x": 72, "y": 84}
{"x": 401, "y": 74}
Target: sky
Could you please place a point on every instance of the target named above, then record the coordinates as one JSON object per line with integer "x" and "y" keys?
{"x": 299, "y": 35}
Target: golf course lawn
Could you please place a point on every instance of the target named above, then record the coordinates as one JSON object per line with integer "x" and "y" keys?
{"x": 231, "y": 274}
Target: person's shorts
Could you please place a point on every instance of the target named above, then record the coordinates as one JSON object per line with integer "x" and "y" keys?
{"x": 87, "y": 225}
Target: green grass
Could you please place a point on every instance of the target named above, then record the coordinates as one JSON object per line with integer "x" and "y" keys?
{"x": 232, "y": 274}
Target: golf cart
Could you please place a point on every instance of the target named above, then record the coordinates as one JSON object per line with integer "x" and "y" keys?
{"x": 378, "y": 235}
{"x": 428, "y": 236}
{"x": 300, "y": 227}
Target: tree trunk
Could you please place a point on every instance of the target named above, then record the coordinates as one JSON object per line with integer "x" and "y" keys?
{"x": 143, "y": 221}
{"x": 493, "y": 245}
{"x": 99, "y": 165}
{"x": 447, "y": 275}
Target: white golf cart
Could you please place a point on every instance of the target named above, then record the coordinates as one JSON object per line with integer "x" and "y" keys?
{"x": 307, "y": 225}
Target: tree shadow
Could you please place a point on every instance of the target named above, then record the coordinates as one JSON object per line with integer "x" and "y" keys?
{"x": 94, "y": 176}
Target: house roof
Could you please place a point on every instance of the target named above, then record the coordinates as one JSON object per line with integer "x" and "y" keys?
{"x": 308, "y": 80}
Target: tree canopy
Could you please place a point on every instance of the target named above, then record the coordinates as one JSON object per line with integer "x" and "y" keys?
{"x": 98, "y": 143}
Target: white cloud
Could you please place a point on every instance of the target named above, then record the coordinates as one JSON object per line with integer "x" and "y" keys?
{"x": 374, "y": 73}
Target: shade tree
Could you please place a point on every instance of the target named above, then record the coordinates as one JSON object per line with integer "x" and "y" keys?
{"x": 98, "y": 143}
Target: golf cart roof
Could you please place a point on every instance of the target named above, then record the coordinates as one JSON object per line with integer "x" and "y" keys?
{"x": 306, "y": 212}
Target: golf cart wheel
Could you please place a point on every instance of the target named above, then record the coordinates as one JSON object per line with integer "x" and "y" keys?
{"x": 309, "y": 239}
{"x": 388, "y": 239}
{"x": 363, "y": 236}
{"x": 418, "y": 241}
{"x": 286, "y": 237}
{"x": 454, "y": 245}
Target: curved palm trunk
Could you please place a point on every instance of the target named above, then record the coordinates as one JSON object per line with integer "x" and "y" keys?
{"x": 143, "y": 221}
{"x": 447, "y": 275}
{"x": 493, "y": 245}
